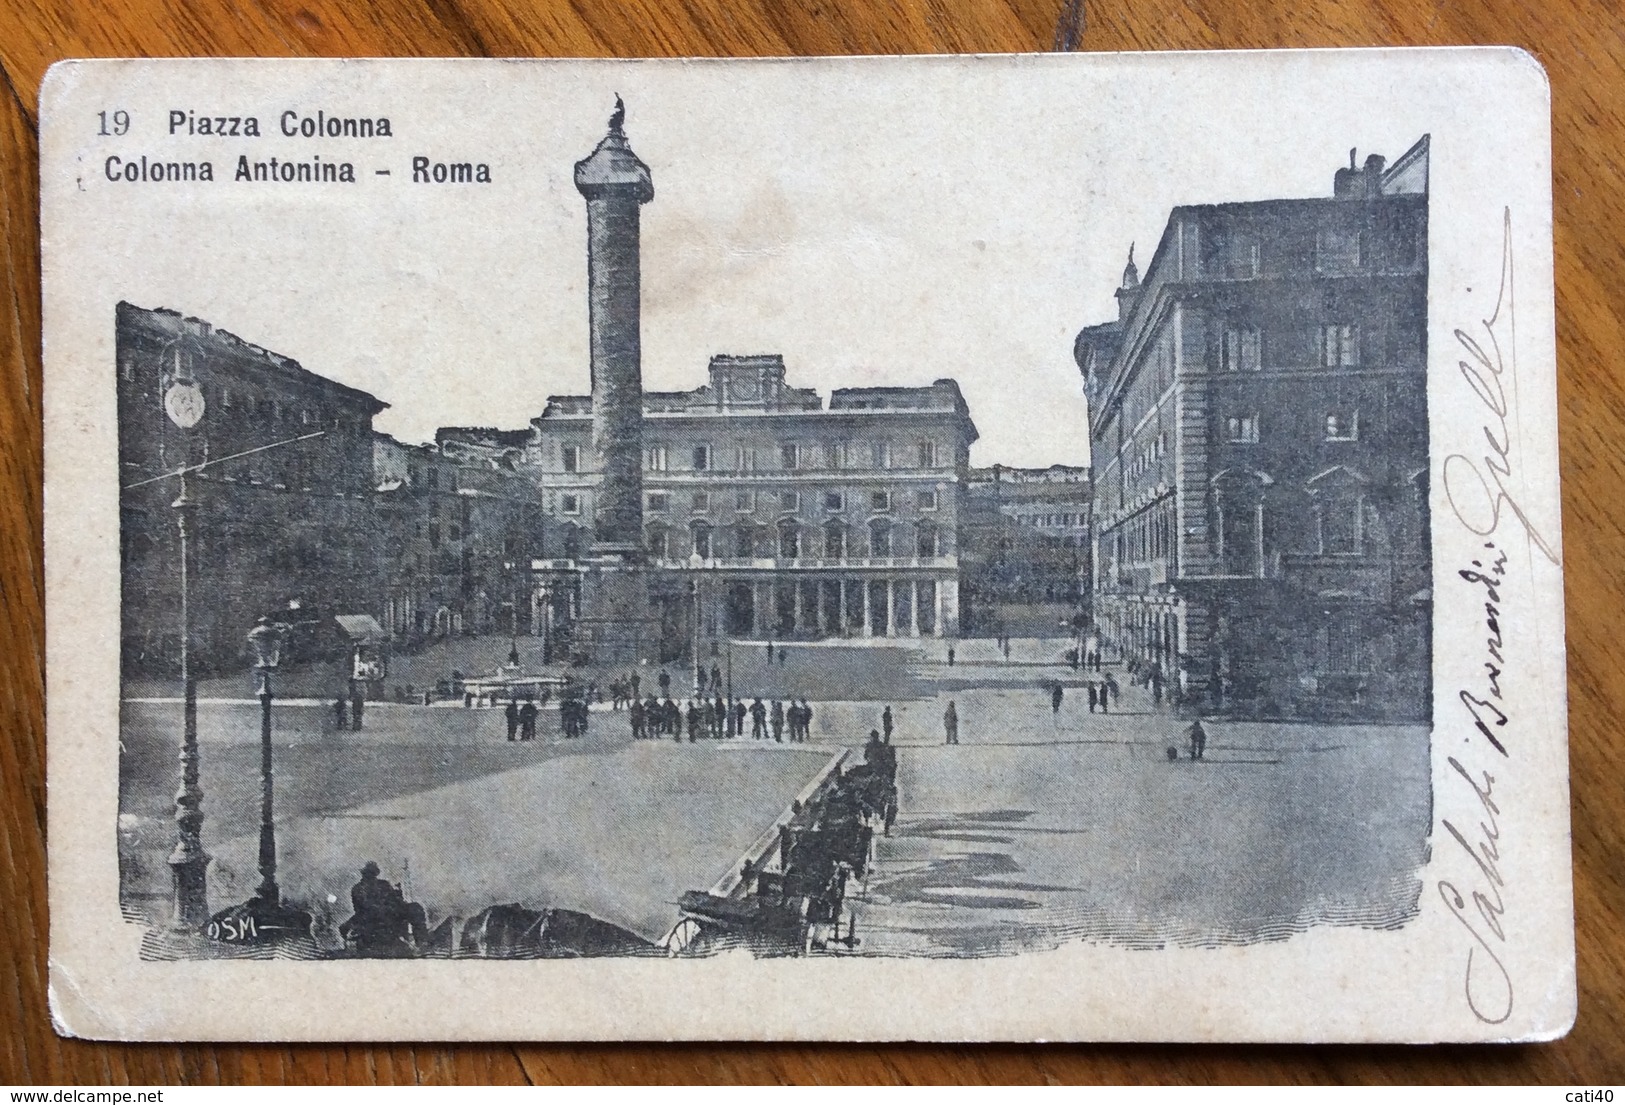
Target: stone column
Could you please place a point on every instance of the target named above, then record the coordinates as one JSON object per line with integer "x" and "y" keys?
{"x": 840, "y": 607}
{"x": 891, "y": 609}
{"x": 936, "y": 598}
{"x": 868, "y": 614}
{"x": 798, "y": 620}
{"x": 913, "y": 608}
{"x": 615, "y": 184}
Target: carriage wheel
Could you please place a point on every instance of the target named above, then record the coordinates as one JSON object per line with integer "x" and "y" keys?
{"x": 686, "y": 932}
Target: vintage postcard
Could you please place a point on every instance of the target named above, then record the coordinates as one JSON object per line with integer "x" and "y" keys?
{"x": 966, "y": 548}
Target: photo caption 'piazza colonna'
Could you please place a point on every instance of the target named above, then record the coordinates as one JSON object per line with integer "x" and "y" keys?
{"x": 143, "y": 169}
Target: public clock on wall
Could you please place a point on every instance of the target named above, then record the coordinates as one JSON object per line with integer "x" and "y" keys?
{"x": 183, "y": 402}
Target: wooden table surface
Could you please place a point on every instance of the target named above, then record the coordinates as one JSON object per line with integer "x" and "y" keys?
{"x": 1582, "y": 46}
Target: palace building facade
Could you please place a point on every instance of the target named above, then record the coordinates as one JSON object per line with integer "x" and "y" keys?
{"x": 1260, "y": 442}
{"x": 767, "y": 514}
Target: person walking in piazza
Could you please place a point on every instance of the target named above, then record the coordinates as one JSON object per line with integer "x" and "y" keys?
{"x": 341, "y": 713}
{"x": 1094, "y": 695}
{"x": 716, "y": 679}
{"x": 758, "y": 720}
{"x": 776, "y": 718}
{"x": 1055, "y": 696}
{"x": 950, "y": 656}
{"x": 635, "y": 680}
{"x": 739, "y": 712}
{"x": 719, "y": 716}
{"x": 635, "y": 715}
{"x": 1109, "y": 688}
{"x": 665, "y": 684}
{"x": 357, "y": 706}
{"x": 527, "y": 721}
{"x": 1198, "y": 739}
{"x": 769, "y": 653}
{"x": 708, "y": 718}
{"x": 783, "y": 655}
{"x": 950, "y": 724}
{"x": 512, "y": 715}
{"x": 694, "y": 719}
{"x": 672, "y": 718}
{"x": 1106, "y": 685}
{"x": 886, "y": 724}
{"x": 806, "y": 720}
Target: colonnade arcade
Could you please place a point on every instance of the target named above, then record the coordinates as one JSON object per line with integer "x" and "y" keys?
{"x": 788, "y": 606}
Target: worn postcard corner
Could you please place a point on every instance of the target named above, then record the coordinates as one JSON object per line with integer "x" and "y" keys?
{"x": 996, "y": 548}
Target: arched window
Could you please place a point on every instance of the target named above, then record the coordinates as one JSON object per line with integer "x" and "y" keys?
{"x": 1238, "y": 501}
{"x": 702, "y": 539}
{"x": 789, "y": 539}
{"x": 745, "y": 540}
{"x": 880, "y": 537}
{"x": 925, "y": 539}
{"x": 659, "y": 541}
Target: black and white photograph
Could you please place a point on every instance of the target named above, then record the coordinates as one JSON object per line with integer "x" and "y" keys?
{"x": 749, "y": 528}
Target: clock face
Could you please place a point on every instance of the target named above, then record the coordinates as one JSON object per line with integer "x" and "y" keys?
{"x": 183, "y": 402}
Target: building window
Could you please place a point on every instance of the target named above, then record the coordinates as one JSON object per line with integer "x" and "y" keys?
{"x": 879, "y": 454}
{"x": 1230, "y": 252}
{"x": 745, "y": 541}
{"x": 657, "y": 458}
{"x": 454, "y": 533}
{"x": 1337, "y": 249}
{"x": 789, "y": 455}
{"x": 702, "y": 502}
{"x": 925, "y": 539}
{"x": 880, "y": 500}
{"x": 834, "y": 500}
{"x": 835, "y": 454}
{"x": 1340, "y": 530}
{"x": 702, "y": 540}
{"x": 1239, "y": 502}
{"x": 1242, "y": 429}
{"x": 789, "y": 540}
{"x": 702, "y": 458}
{"x": 789, "y": 502}
{"x": 434, "y": 478}
{"x": 744, "y": 459}
{"x": 744, "y": 501}
{"x": 835, "y": 539}
{"x": 880, "y": 537}
{"x": 927, "y": 454}
{"x": 1342, "y": 647}
{"x": 434, "y": 535}
{"x": 1339, "y": 345}
{"x": 1343, "y": 425}
{"x": 925, "y": 500}
{"x": 659, "y": 541}
{"x": 569, "y": 504}
{"x": 570, "y": 455}
{"x": 659, "y": 502}
{"x": 1240, "y": 352}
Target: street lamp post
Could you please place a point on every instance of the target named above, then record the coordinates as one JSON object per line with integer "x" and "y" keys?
{"x": 266, "y": 641}
{"x": 188, "y": 862}
{"x": 263, "y": 919}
